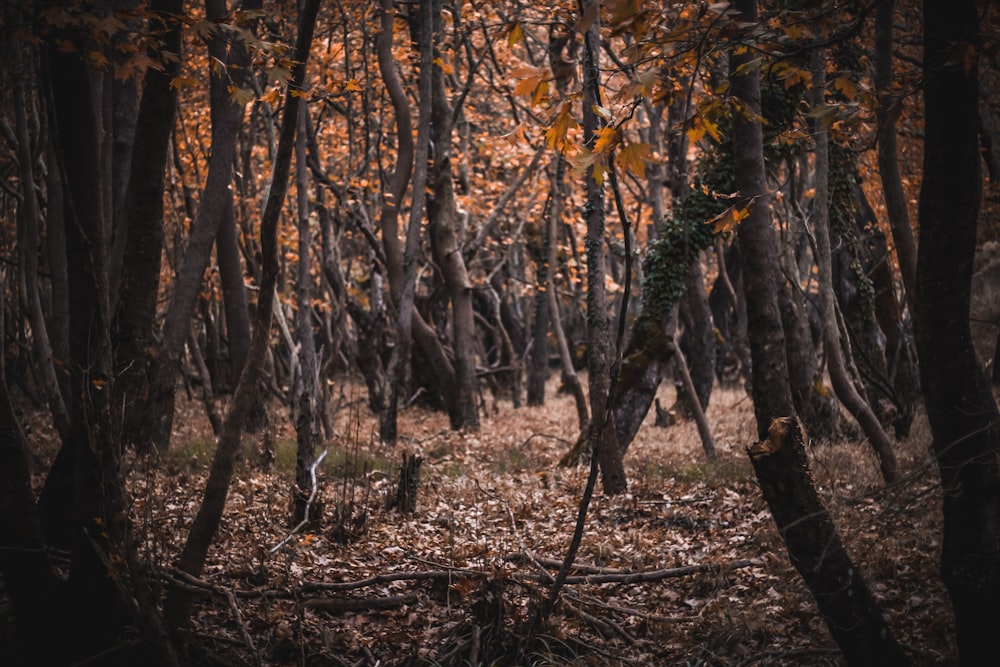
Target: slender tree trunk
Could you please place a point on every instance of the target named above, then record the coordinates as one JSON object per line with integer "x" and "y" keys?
{"x": 407, "y": 318}
{"x": 887, "y": 114}
{"x": 963, "y": 415}
{"x": 442, "y": 218}
{"x": 234, "y": 292}
{"x": 698, "y": 340}
{"x": 758, "y": 247}
{"x": 421, "y": 332}
{"x": 28, "y": 236}
{"x": 55, "y": 248}
{"x": 227, "y": 116}
{"x": 551, "y": 229}
{"x": 307, "y": 398}
{"x": 177, "y": 608}
{"x": 900, "y": 359}
{"x": 832, "y": 345}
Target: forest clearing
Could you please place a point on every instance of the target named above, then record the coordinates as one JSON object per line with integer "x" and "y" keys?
{"x": 462, "y": 332}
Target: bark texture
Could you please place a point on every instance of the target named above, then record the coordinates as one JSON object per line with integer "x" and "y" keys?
{"x": 963, "y": 416}
{"x": 815, "y": 549}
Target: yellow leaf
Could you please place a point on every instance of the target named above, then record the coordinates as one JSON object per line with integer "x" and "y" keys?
{"x": 846, "y": 87}
{"x": 516, "y": 34}
{"x": 607, "y": 138}
{"x": 632, "y": 157}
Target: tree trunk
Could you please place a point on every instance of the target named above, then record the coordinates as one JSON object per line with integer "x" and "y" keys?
{"x": 886, "y": 115}
{"x": 306, "y": 393}
{"x": 698, "y": 339}
{"x": 177, "y": 608}
{"x": 422, "y": 333}
{"x": 772, "y": 396}
{"x": 135, "y": 310}
{"x": 960, "y": 406}
{"x": 407, "y": 259}
{"x": 903, "y": 380}
{"x": 442, "y": 216}
{"x": 599, "y": 345}
{"x": 227, "y": 116}
{"x": 234, "y": 292}
{"x": 27, "y": 243}
{"x": 24, "y": 561}
{"x": 815, "y": 549}
{"x": 832, "y": 345}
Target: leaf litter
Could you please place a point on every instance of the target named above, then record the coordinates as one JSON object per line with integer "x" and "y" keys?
{"x": 458, "y": 581}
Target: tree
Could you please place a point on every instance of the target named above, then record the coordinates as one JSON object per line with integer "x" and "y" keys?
{"x": 960, "y": 407}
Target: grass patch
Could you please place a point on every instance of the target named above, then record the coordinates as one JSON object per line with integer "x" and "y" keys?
{"x": 724, "y": 470}
{"x": 192, "y": 456}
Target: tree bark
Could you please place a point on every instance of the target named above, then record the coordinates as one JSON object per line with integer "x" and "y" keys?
{"x": 135, "y": 310}
{"x": 886, "y": 116}
{"x": 306, "y": 395}
{"x": 960, "y": 407}
{"x": 27, "y": 242}
{"x": 177, "y": 608}
{"x": 227, "y": 116}
{"x": 815, "y": 549}
{"x": 442, "y": 217}
{"x": 422, "y": 333}
{"x": 407, "y": 259}
{"x": 832, "y": 345}
{"x": 758, "y": 248}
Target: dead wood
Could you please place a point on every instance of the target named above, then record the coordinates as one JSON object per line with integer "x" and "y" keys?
{"x": 339, "y": 605}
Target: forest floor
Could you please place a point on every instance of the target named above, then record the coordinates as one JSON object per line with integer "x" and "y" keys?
{"x": 456, "y": 582}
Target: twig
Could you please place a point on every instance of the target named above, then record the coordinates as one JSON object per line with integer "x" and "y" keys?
{"x": 305, "y": 514}
{"x": 605, "y": 626}
{"x": 522, "y": 556}
{"x": 247, "y": 639}
{"x": 641, "y": 577}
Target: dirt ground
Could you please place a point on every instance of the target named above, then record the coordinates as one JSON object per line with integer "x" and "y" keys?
{"x": 457, "y": 582}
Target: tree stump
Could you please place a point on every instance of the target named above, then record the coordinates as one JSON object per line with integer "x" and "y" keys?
{"x": 815, "y": 549}
{"x": 406, "y": 491}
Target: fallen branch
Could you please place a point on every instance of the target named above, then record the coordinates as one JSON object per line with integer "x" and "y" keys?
{"x": 193, "y": 584}
{"x": 339, "y": 605}
{"x": 527, "y": 556}
{"x": 642, "y": 577}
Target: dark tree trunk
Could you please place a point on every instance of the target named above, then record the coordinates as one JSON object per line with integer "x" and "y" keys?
{"x": 813, "y": 400}
{"x": 902, "y": 383}
{"x": 27, "y": 242}
{"x": 815, "y": 549}
{"x": 863, "y": 347}
{"x": 599, "y": 344}
{"x": 227, "y": 117}
{"x": 28, "y": 574}
{"x": 234, "y": 292}
{"x": 698, "y": 339}
{"x": 758, "y": 247}
{"x": 960, "y": 406}
{"x": 177, "y": 608}
{"x": 135, "y": 310}
{"x": 422, "y": 333}
{"x": 538, "y": 357}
